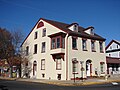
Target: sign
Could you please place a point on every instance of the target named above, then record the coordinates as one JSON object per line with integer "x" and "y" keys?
{"x": 82, "y": 69}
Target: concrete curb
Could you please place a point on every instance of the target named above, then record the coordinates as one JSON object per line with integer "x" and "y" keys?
{"x": 71, "y": 84}
{"x": 85, "y": 83}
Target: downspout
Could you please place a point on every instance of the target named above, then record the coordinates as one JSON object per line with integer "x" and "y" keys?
{"x": 67, "y": 57}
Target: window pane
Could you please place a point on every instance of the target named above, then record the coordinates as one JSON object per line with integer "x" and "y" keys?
{"x": 63, "y": 42}
{"x": 101, "y": 47}
{"x": 44, "y": 32}
{"x": 58, "y": 64}
{"x": 84, "y": 45}
{"x": 35, "y": 37}
{"x": 102, "y": 67}
{"x": 58, "y": 42}
{"x": 74, "y": 43}
{"x": 43, "y": 64}
{"x": 35, "y": 48}
{"x": 27, "y": 50}
{"x": 53, "y": 43}
{"x": 43, "y": 47}
{"x": 93, "y": 45}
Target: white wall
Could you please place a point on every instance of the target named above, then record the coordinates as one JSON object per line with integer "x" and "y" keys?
{"x": 113, "y": 46}
{"x": 81, "y": 55}
{"x": 50, "y": 65}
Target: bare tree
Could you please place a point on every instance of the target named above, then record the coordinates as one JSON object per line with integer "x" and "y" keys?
{"x": 26, "y": 65}
{"x": 10, "y": 48}
{"x": 17, "y": 38}
{"x": 6, "y": 46}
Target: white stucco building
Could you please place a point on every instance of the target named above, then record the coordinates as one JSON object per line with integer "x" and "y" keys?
{"x": 113, "y": 57}
{"x": 59, "y": 51}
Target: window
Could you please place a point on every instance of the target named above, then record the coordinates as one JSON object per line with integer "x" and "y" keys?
{"x": 36, "y": 34}
{"x": 43, "y": 75}
{"x": 93, "y": 46}
{"x": 43, "y": 47}
{"x": 84, "y": 44}
{"x": 110, "y": 47}
{"x": 43, "y": 64}
{"x": 74, "y": 43}
{"x": 44, "y": 32}
{"x": 75, "y": 65}
{"x": 63, "y": 42}
{"x": 101, "y": 46}
{"x": 58, "y": 43}
{"x": 117, "y": 46}
{"x": 102, "y": 64}
{"x": 27, "y": 50}
{"x": 76, "y": 27}
{"x": 35, "y": 49}
{"x": 58, "y": 64}
{"x": 53, "y": 43}
{"x": 92, "y": 32}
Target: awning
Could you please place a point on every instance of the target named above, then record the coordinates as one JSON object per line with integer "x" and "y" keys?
{"x": 113, "y": 60}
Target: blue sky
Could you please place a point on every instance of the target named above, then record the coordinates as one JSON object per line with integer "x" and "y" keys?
{"x": 22, "y": 15}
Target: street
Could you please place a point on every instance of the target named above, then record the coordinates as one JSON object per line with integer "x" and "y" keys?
{"x": 19, "y": 85}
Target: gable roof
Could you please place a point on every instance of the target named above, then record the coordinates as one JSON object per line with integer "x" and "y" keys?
{"x": 64, "y": 27}
{"x": 115, "y": 41}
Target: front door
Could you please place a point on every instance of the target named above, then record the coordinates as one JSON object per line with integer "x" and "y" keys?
{"x": 88, "y": 68}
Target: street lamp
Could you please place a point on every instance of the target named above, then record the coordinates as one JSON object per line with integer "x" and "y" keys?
{"x": 82, "y": 69}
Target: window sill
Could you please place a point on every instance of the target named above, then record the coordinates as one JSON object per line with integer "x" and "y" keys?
{"x": 101, "y": 51}
{"x": 85, "y": 50}
{"x": 58, "y": 69}
{"x": 44, "y": 36}
{"x": 75, "y": 72}
{"x": 74, "y": 48}
{"x": 34, "y": 53}
{"x": 93, "y": 50}
{"x": 57, "y": 48}
{"x": 43, "y": 52}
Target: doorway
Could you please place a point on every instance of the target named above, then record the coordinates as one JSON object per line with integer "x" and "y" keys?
{"x": 89, "y": 68}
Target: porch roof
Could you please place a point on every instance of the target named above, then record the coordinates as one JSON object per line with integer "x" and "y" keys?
{"x": 112, "y": 60}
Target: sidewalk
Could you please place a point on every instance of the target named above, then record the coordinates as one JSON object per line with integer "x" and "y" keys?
{"x": 89, "y": 81}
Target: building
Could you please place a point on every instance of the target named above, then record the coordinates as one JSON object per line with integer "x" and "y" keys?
{"x": 113, "y": 57}
{"x": 4, "y": 68}
{"x": 62, "y": 51}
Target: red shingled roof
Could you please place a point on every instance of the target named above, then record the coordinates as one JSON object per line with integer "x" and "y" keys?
{"x": 80, "y": 33}
{"x": 64, "y": 27}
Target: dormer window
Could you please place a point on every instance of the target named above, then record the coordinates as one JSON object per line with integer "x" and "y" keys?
{"x": 75, "y": 28}
{"x": 92, "y": 31}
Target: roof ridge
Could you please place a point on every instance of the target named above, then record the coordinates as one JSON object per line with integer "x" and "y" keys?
{"x": 117, "y": 41}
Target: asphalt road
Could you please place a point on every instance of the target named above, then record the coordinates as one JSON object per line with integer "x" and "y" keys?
{"x": 18, "y": 85}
